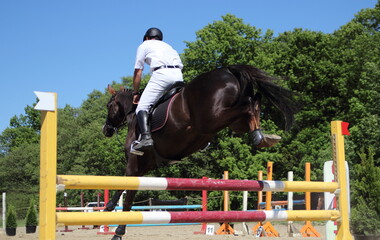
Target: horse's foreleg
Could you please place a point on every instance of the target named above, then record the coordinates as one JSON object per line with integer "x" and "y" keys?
{"x": 259, "y": 138}
{"x": 254, "y": 121}
{"x": 120, "y": 230}
{"x": 112, "y": 204}
{"x": 254, "y": 112}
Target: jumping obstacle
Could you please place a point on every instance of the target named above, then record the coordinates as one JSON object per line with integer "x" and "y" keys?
{"x": 48, "y": 180}
{"x": 261, "y": 230}
{"x": 164, "y": 207}
{"x": 157, "y": 183}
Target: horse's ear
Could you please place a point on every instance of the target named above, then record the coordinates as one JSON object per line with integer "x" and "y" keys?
{"x": 122, "y": 88}
{"x": 111, "y": 90}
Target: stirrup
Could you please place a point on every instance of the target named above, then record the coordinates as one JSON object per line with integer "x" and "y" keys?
{"x": 133, "y": 150}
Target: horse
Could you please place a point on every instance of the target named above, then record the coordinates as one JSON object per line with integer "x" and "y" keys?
{"x": 224, "y": 97}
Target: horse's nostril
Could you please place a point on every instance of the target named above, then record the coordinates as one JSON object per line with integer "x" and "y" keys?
{"x": 108, "y": 131}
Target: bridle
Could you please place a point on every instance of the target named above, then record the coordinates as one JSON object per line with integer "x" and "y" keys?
{"x": 122, "y": 123}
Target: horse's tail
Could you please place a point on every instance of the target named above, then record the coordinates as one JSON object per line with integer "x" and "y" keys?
{"x": 280, "y": 97}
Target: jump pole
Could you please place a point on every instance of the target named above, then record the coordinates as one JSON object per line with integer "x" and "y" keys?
{"x": 159, "y": 183}
{"x": 4, "y": 209}
{"x": 245, "y": 208}
{"x": 157, "y": 207}
{"x": 259, "y": 193}
{"x": 106, "y": 230}
{"x": 204, "y": 209}
{"x": 48, "y": 163}
{"x": 308, "y": 230}
{"x": 225, "y": 228}
{"x": 266, "y": 229}
{"x": 100, "y": 218}
{"x": 65, "y": 203}
{"x": 82, "y": 205}
{"x": 291, "y": 228}
{"x": 338, "y": 129}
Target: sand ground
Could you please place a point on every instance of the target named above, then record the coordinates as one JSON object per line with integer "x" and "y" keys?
{"x": 163, "y": 233}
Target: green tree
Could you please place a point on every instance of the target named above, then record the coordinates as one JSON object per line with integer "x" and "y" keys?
{"x": 23, "y": 129}
{"x": 361, "y": 64}
{"x": 220, "y": 44}
{"x": 365, "y": 198}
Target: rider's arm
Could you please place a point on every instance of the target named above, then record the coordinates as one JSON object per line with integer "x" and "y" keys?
{"x": 139, "y": 66}
{"x": 136, "y": 84}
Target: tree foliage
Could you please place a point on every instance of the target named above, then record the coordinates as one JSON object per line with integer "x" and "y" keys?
{"x": 366, "y": 184}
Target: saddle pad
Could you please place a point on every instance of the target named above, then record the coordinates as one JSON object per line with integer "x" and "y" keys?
{"x": 160, "y": 114}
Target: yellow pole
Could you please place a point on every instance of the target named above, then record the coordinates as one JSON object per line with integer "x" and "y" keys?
{"x": 307, "y": 194}
{"x": 303, "y": 186}
{"x": 226, "y": 203}
{"x": 312, "y": 215}
{"x": 225, "y": 228}
{"x": 340, "y": 176}
{"x": 48, "y": 170}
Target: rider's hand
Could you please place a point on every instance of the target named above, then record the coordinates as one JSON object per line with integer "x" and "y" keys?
{"x": 136, "y": 99}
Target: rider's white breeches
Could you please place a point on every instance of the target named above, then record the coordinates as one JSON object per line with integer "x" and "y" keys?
{"x": 159, "y": 81}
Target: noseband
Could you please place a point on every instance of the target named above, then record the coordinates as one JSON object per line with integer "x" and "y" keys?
{"x": 122, "y": 124}
{"x": 110, "y": 126}
{"x": 116, "y": 129}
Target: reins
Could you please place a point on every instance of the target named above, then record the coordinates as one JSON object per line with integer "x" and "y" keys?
{"x": 121, "y": 125}
{"x": 117, "y": 136}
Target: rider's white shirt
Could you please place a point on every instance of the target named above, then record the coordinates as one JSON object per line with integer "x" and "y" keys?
{"x": 156, "y": 53}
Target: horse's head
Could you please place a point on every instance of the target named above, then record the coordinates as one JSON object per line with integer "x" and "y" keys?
{"x": 119, "y": 108}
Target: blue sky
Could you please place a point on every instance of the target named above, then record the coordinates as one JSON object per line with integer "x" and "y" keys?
{"x": 73, "y": 47}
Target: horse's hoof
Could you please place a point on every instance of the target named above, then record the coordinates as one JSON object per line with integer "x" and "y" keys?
{"x": 257, "y": 137}
{"x": 116, "y": 237}
{"x": 109, "y": 207}
{"x": 269, "y": 140}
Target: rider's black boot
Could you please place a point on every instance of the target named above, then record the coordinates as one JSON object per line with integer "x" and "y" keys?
{"x": 146, "y": 140}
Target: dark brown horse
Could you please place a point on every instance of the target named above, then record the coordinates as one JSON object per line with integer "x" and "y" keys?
{"x": 225, "y": 97}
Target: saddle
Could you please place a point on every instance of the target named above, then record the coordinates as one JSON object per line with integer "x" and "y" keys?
{"x": 159, "y": 112}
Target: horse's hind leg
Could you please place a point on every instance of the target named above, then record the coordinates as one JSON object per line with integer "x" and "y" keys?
{"x": 120, "y": 230}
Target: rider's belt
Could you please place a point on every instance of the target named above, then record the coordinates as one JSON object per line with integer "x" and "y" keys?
{"x": 166, "y": 66}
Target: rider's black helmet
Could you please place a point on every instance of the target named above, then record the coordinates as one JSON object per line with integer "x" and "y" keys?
{"x": 153, "y": 33}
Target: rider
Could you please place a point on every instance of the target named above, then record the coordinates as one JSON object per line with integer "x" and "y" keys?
{"x": 165, "y": 66}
